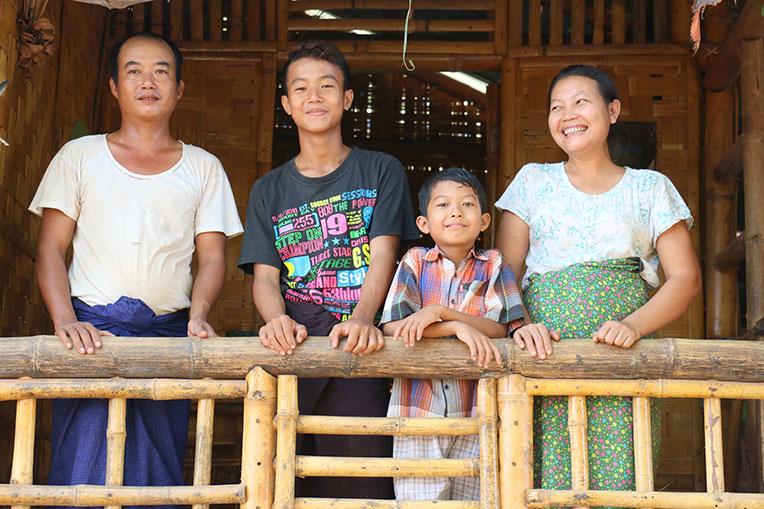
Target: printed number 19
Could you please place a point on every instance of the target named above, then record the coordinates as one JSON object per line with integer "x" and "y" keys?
{"x": 336, "y": 224}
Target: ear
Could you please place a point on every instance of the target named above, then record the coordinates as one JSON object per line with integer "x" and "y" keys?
{"x": 181, "y": 89}
{"x": 113, "y": 88}
{"x": 614, "y": 109}
{"x": 285, "y": 104}
{"x": 485, "y": 220}
{"x": 421, "y": 223}
{"x": 348, "y": 101}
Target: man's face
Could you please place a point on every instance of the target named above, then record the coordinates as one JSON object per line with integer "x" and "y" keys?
{"x": 147, "y": 88}
{"x": 315, "y": 98}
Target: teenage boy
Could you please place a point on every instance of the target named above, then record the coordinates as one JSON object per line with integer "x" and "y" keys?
{"x": 134, "y": 205}
{"x": 452, "y": 289}
{"x": 322, "y": 236}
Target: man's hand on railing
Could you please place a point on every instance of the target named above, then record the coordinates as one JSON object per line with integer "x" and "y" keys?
{"x": 200, "y": 328}
{"x": 617, "y": 333}
{"x": 482, "y": 349}
{"x": 536, "y": 338}
{"x": 362, "y": 337}
{"x": 85, "y": 338}
{"x": 282, "y": 334}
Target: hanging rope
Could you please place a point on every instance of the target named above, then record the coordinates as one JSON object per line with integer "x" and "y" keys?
{"x": 408, "y": 65}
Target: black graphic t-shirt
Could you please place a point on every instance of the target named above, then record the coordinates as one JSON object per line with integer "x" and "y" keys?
{"x": 317, "y": 230}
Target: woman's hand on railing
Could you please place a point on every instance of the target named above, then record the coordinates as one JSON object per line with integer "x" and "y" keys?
{"x": 536, "y": 338}
{"x": 362, "y": 337}
{"x": 617, "y": 333}
{"x": 482, "y": 349}
{"x": 282, "y": 334}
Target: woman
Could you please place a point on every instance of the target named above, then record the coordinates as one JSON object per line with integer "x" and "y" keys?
{"x": 590, "y": 233}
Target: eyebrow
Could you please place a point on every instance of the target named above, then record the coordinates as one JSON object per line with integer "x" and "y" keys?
{"x": 133, "y": 62}
{"x": 325, "y": 76}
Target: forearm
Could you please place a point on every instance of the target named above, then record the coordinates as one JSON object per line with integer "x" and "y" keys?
{"x": 207, "y": 288}
{"x": 373, "y": 292}
{"x": 54, "y": 286}
{"x": 488, "y": 327}
{"x": 268, "y": 299}
{"x": 668, "y": 304}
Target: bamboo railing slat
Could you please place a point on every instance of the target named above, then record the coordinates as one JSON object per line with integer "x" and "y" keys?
{"x": 258, "y": 439}
{"x": 640, "y": 22}
{"x": 216, "y": 20}
{"x": 646, "y": 388}
{"x": 579, "y": 453}
{"x": 328, "y": 466}
{"x": 87, "y": 495}
{"x": 549, "y": 498}
{"x": 534, "y": 22}
{"x": 156, "y": 389}
{"x": 116, "y": 433}
{"x": 598, "y": 36}
{"x": 510, "y": 16}
{"x": 360, "y": 503}
{"x": 556, "y": 19}
{"x": 23, "y": 444}
{"x": 197, "y": 24}
{"x": 396, "y": 426}
{"x": 286, "y": 420}
{"x": 577, "y": 21}
{"x": 176, "y": 20}
{"x": 205, "y": 422}
{"x": 236, "y": 20}
{"x": 515, "y": 441}
{"x": 489, "y": 443}
{"x": 618, "y": 22}
{"x": 253, "y": 20}
{"x": 712, "y": 427}
{"x": 643, "y": 444}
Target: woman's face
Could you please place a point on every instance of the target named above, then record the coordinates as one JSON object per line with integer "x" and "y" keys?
{"x": 579, "y": 117}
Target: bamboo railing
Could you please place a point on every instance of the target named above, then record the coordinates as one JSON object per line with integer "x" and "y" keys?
{"x": 266, "y": 383}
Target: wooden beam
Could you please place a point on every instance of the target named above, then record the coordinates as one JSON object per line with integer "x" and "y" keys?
{"x": 451, "y": 87}
{"x": 731, "y": 163}
{"x": 232, "y": 358}
{"x": 450, "y": 5}
{"x": 730, "y": 257}
{"x": 389, "y": 25}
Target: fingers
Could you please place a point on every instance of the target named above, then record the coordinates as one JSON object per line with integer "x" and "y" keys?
{"x": 494, "y": 352}
{"x": 555, "y": 334}
{"x": 334, "y": 334}
{"x": 546, "y": 339}
{"x": 527, "y": 338}
{"x": 64, "y": 339}
{"x": 301, "y": 334}
{"x": 82, "y": 336}
{"x": 355, "y": 335}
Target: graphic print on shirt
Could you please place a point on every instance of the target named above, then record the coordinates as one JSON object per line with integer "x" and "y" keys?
{"x": 324, "y": 247}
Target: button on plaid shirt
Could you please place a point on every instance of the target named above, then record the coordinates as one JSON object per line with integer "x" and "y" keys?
{"x": 482, "y": 285}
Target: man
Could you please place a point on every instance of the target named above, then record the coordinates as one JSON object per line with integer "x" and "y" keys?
{"x": 135, "y": 205}
{"x": 322, "y": 239}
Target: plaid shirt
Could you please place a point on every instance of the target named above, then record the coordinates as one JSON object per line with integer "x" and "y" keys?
{"x": 483, "y": 285}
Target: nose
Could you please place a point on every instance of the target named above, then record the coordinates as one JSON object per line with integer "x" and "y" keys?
{"x": 456, "y": 211}
{"x": 313, "y": 94}
{"x": 148, "y": 80}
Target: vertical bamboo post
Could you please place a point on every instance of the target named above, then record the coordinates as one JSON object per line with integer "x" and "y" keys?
{"x": 643, "y": 444}
{"x": 556, "y": 16}
{"x": 258, "y": 440}
{"x": 515, "y": 441}
{"x": 216, "y": 20}
{"x": 598, "y": 37}
{"x": 286, "y": 422}
{"x": 639, "y": 26}
{"x": 176, "y": 20}
{"x": 680, "y": 21}
{"x": 577, "y": 22}
{"x": 508, "y": 16}
{"x": 618, "y": 22}
{"x": 205, "y": 422}
{"x": 253, "y": 20}
{"x": 712, "y": 427}
{"x": 489, "y": 447}
{"x": 115, "y": 443}
{"x": 534, "y": 23}
{"x": 579, "y": 453}
{"x": 270, "y": 20}
{"x": 507, "y": 148}
{"x": 282, "y": 28}
{"x": 236, "y": 19}
{"x": 23, "y": 444}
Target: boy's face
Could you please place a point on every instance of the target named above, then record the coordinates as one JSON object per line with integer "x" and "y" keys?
{"x": 315, "y": 98}
{"x": 454, "y": 218}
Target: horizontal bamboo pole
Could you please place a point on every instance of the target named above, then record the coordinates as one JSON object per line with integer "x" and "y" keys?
{"x": 389, "y": 25}
{"x": 450, "y": 5}
{"x": 156, "y": 389}
{"x": 397, "y": 426}
{"x": 646, "y": 388}
{"x": 328, "y": 466}
{"x": 732, "y": 254}
{"x": 86, "y": 495}
{"x": 549, "y": 498}
{"x": 232, "y": 358}
{"x": 361, "y": 503}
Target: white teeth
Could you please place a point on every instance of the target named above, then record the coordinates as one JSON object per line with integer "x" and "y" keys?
{"x": 573, "y": 130}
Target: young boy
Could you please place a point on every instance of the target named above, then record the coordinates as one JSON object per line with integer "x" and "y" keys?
{"x": 322, "y": 238}
{"x": 453, "y": 289}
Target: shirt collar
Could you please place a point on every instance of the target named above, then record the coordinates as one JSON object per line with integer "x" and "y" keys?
{"x": 434, "y": 253}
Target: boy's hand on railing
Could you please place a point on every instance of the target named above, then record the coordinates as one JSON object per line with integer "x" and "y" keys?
{"x": 617, "y": 333}
{"x": 482, "y": 349}
{"x": 83, "y": 336}
{"x": 412, "y": 327}
{"x": 536, "y": 338}
{"x": 282, "y": 334}
{"x": 362, "y": 337}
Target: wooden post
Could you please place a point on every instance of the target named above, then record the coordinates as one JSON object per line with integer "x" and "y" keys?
{"x": 511, "y": 31}
{"x": 253, "y": 20}
{"x": 216, "y": 20}
{"x": 493, "y": 150}
{"x": 23, "y": 444}
{"x": 236, "y": 20}
{"x": 196, "y": 13}
{"x": 598, "y": 37}
{"x": 712, "y": 427}
{"x": 556, "y": 20}
{"x": 577, "y": 22}
{"x": 515, "y": 441}
{"x": 115, "y": 443}
{"x": 507, "y": 168}
{"x": 680, "y": 22}
{"x": 489, "y": 447}
{"x": 579, "y": 451}
{"x": 534, "y": 23}
{"x": 286, "y": 422}
{"x": 176, "y": 21}
{"x": 643, "y": 444}
{"x": 618, "y": 22}
{"x": 258, "y": 440}
{"x": 639, "y": 27}
{"x": 282, "y": 27}
{"x": 205, "y": 422}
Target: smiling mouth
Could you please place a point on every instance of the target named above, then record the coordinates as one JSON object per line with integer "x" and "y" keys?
{"x": 149, "y": 99}
{"x": 572, "y": 131}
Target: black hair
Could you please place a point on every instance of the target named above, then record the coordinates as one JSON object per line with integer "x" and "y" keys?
{"x": 320, "y": 50}
{"x": 605, "y": 84}
{"x": 458, "y": 175}
{"x": 117, "y": 48}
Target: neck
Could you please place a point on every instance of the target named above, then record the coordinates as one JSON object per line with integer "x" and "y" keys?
{"x": 456, "y": 254}
{"x": 143, "y": 135}
{"x": 591, "y": 164}
{"x": 321, "y": 154}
